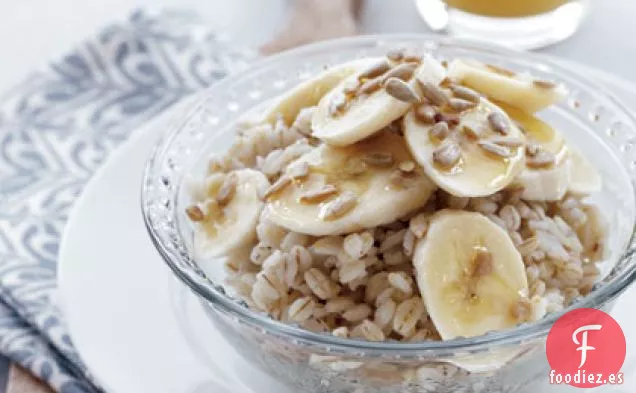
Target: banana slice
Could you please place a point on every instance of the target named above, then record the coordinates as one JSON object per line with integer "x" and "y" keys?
{"x": 227, "y": 219}
{"x": 471, "y": 276}
{"x": 335, "y": 190}
{"x": 584, "y": 177}
{"x": 479, "y": 156}
{"x": 361, "y": 106}
{"x": 519, "y": 90}
{"x": 309, "y": 92}
{"x": 546, "y": 176}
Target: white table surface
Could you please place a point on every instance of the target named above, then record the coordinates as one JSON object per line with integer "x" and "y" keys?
{"x": 33, "y": 32}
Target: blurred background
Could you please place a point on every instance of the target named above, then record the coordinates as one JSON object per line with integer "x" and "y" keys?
{"x": 34, "y": 33}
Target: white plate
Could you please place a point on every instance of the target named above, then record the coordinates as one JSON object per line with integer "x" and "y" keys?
{"x": 135, "y": 326}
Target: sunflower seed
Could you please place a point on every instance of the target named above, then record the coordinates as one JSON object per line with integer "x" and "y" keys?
{"x": 337, "y": 104}
{"x": 498, "y": 150}
{"x": 426, "y": 114}
{"x": 501, "y": 70}
{"x": 319, "y": 194}
{"x": 482, "y": 263}
{"x": 407, "y": 166}
{"x": 447, "y": 154}
{"x": 213, "y": 210}
{"x": 227, "y": 190}
{"x": 378, "y": 159}
{"x": 376, "y": 69}
{"x": 498, "y": 123}
{"x": 452, "y": 119}
{"x": 412, "y": 57}
{"x": 399, "y": 179}
{"x": 473, "y": 129}
{"x": 400, "y": 90}
{"x": 465, "y": 93}
{"x": 355, "y": 166}
{"x": 541, "y": 159}
{"x": 395, "y": 54}
{"x": 281, "y": 183}
{"x": 403, "y": 71}
{"x": 339, "y": 206}
{"x": 371, "y": 86}
{"x": 460, "y": 105}
{"x": 299, "y": 171}
{"x": 508, "y": 142}
{"x": 351, "y": 88}
{"x": 440, "y": 131}
{"x": 532, "y": 148}
{"x": 195, "y": 213}
{"x": 433, "y": 93}
{"x": 544, "y": 84}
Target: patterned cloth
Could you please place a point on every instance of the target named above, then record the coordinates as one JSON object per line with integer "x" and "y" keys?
{"x": 55, "y": 130}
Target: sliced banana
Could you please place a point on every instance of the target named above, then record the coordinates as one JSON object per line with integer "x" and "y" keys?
{"x": 470, "y": 159}
{"x": 309, "y": 92}
{"x": 361, "y": 106}
{"x": 227, "y": 218}
{"x": 546, "y": 176}
{"x": 335, "y": 190}
{"x": 584, "y": 177}
{"x": 519, "y": 90}
{"x": 471, "y": 276}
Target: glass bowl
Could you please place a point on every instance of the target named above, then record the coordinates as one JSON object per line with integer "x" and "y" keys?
{"x": 590, "y": 118}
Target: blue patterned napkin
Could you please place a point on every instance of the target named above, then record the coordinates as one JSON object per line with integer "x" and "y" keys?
{"x": 55, "y": 130}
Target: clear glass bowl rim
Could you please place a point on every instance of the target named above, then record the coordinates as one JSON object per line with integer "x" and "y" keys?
{"x": 523, "y": 333}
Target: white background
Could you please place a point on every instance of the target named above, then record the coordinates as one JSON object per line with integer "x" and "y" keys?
{"x": 33, "y": 32}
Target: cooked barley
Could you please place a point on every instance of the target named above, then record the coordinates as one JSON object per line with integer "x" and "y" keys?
{"x": 419, "y": 225}
{"x": 357, "y": 245}
{"x": 406, "y": 316}
{"x": 371, "y": 331}
{"x": 321, "y": 285}
{"x": 339, "y": 304}
{"x": 301, "y": 309}
{"x": 352, "y": 271}
{"x": 342, "y": 332}
{"x": 357, "y": 313}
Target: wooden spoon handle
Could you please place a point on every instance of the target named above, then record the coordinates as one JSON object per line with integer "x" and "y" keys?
{"x": 316, "y": 20}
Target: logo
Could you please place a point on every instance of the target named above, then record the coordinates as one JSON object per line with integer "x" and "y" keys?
{"x": 586, "y": 348}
